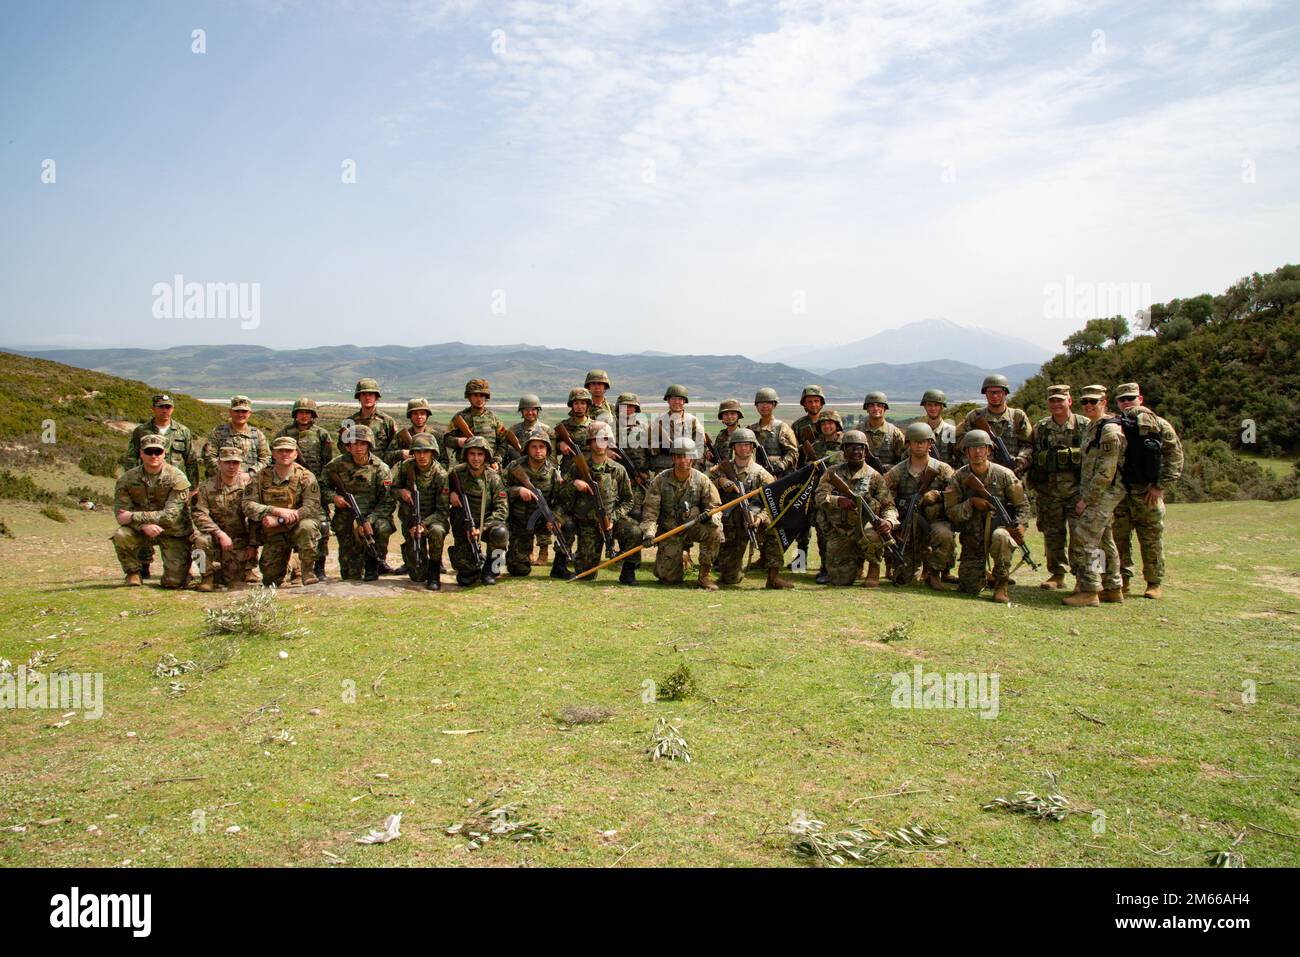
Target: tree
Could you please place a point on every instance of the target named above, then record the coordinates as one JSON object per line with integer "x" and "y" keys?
{"x": 1086, "y": 339}
{"x": 1117, "y": 330}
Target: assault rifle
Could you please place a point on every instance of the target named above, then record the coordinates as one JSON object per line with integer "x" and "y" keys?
{"x": 1001, "y": 454}
{"x": 467, "y": 518}
{"x": 865, "y": 513}
{"x": 732, "y": 478}
{"x": 979, "y": 490}
{"x": 358, "y": 524}
{"x": 543, "y": 510}
{"x": 603, "y": 523}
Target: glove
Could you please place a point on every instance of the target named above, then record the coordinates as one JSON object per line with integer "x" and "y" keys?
{"x": 647, "y": 539}
{"x": 930, "y": 498}
{"x": 982, "y": 504}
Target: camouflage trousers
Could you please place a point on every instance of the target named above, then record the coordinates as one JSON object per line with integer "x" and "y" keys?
{"x": 128, "y": 542}
{"x": 1093, "y": 556}
{"x": 847, "y": 550}
{"x": 731, "y": 555}
{"x": 971, "y": 573}
{"x": 277, "y": 546}
{"x": 1055, "y": 517}
{"x": 1133, "y": 514}
{"x": 928, "y": 548}
{"x": 590, "y": 553}
{"x": 227, "y": 568}
{"x": 462, "y": 551}
{"x": 323, "y": 546}
{"x": 519, "y": 556}
{"x": 668, "y": 553}
{"x": 430, "y": 544}
{"x": 352, "y": 551}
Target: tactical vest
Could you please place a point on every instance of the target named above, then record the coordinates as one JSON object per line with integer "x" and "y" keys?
{"x": 1050, "y": 458}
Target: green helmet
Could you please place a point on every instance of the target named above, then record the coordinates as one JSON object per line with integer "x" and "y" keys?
{"x": 919, "y": 431}
{"x": 576, "y": 394}
{"x": 529, "y": 402}
{"x": 743, "y": 435}
{"x": 629, "y": 398}
{"x": 976, "y": 437}
{"x": 766, "y": 395}
{"x": 830, "y": 415}
{"x": 676, "y": 391}
{"x": 498, "y": 536}
{"x": 418, "y": 405}
{"x": 683, "y": 445}
{"x": 599, "y": 430}
{"x": 477, "y": 385}
{"x": 539, "y": 435}
{"x": 876, "y": 397}
{"x": 366, "y": 385}
{"x": 934, "y": 395}
{"x": 995, "y": 381}
{"x": 477, "y": 442}
{"x": 362, "y": 433}
{"x": 304, "y": 404}
{"x": 812, "y": 390}
{"x": 730, "y": 405}
{"x": 597, "y": 375}
{"x": 424, "y": 442}
{"x": 853, "y": 437}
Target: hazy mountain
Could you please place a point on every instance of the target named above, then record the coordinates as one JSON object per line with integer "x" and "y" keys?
{"x": 905, "y": 382}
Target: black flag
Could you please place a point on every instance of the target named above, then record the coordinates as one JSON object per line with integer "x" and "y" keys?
{"x": 788, "y": 502}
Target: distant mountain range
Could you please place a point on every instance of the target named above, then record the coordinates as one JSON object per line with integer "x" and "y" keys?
{"x": 440, "y": 371}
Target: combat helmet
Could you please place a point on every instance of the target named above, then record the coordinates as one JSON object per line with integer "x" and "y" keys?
{"x": 743, "y": 435}
{"x": 766, "y": 394}
{"x": 934, "y": 395}
{"x": 477, "y": 385}
{"x": 830, "y": 415}
{"x": 529, "y": 402}
{"x": 976, "y": 438}
{"x": 995, "y": 381}
{"x": 579, "y": 393}
{"x": 476, "y": 442}
{"x": 919, "y": 431}
{"x": 597, "y": 375}
{"x": 876, "y": 397}
{"x": 424, "y": 442}
{"x": 853, "y": 437}
{"x": 730, "y": 405}
{"x": 418, "y": 405}
{"x": 304, "y": 404}
{"x": 366, "y": 385}
{"x": 683, "y": 445}
{"x": 676, "y": 391}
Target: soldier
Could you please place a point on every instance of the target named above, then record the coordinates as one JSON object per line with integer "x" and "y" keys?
{"x": 1093, "y": 554}
{"x": 315, "y": 450}
{"x": 282, "y": 502}
{"x": 676, "y": 496}
{"x": 780, "y": 447}
{"x": 634, "y": 446}
{"x": 934, "y": 401}
{"x": 1054, "y": 477}
{"x": 221, "y": 530}
{"x": 1143, "y": 508}
{"x": 360, "y": 472}
{"x": 729, "y": 415}
{"x": 489, "y": 509}
{"x": 530, "y": 409}
{"x": 382, "y": 426}
{"x": 578, "y": 422}
{"x": 544, "y": 474}
{"x": 578, "y": 506}
{"x": 425, "y": 530}
{"x": 830, "y": 432}
{"x": 812, "y": 400}
{"x": 152, "y": 503}
{"x": 928, "y": 542}
{"x": 237, "y": 432}
{"x": 751, "y": 475}
{"x": 851, "y": 540}
{"x": 668, "y": 426}
{"x": 1012, "y": 426}
{"x": 483, "y": 422}
{"x": 973, "y": 517}
{"x": 885, "y": 440}
{"x": 597, "y": 383}
{"x": 182, "y": 451}
{"x": 417, "y": 413}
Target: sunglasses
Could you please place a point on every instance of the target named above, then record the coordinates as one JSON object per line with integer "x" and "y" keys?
{"x": 151, "y": 451}
{"x": 1126, "y": 398}
{"x": 1089, "y": 401}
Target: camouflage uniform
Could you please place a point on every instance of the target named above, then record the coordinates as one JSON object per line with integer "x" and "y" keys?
{"x": 489, "y": 505}
{"x": 370, "y": 484}
{"x": 945, "y": 439}
{"x": 577, "y": 429}
{"x": 980, "y": 541}
{"x": 402, "y": 443}
{"x": 601, "y": 411}
{"x": 487, "y": 425}
{"x": 667, "y": 426}
{"x": 220, "y": 507}
{"x": 382, "y": 426}
{"x": 1010, "y": 425}
{"x": 257, "y": 451}
{"x": 1054, "y": 479}
{"x": 852, "y": 543}
{"x": 669, "y": 502}
{"x": 735, "y": 539}
{"x": 579, "y": 510}
{"x": 315, "y": 450}
{"x": 1134, "y": 514}
{"x": 298, "y": 490}
{"x": 635, "y": 448}
{"x": 162, "y": 499}
{"x": 548, "y": 481}
{"x": 431, "y": 485}
{"x": 929, "y": 544}
{"x": 1093, "y": 555}
{"x": 885, "y": 442}
{"x": 182, "y": 450}
{"x": 778, "y": 441}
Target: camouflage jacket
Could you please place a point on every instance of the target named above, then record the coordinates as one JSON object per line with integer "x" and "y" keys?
{"x": 722, "y": 444}
{"x": 752, "y": 477}
{"x": 1058, "y": 454}
{"x": 488, "y": 503}
{"x": 945, "y": 440}
{"x": 486, "y": 424}
{"x": 315, "y": 446}
{"x": 431, "y": 484}
{"x": 1171, "y": 446}
{"x": 383, "y": 425}
{"x": 298, "y": 490}
{"x": 1002, "y": 485}
{"x": 257, "y": 451}
{"x": 604, "y": 412}
{"x": 903, "y": 485}
{"x": 828, "y": 449}
{"x": 220, "y": 507}
{"x": 634, "y": 444}
{"x": 546, "y": 480}
{"x": 521, "y": 430}
{"x": 614, "y": 487}
{"x": 867, "y": 482}
{"x": 162, "y": 499}
{"x": 665, "y": 427}
{"x": 577, "y": 429}
{"x": 887, "y": 443}
{"x": 402, "y": 443}
{"x": 1010, "y": 425}
{"x": 181, "y": 448}
{"x": 369, "y": 483}
{"x": 779, "y": 442}
{"x": 670, "y": 501}
{"x": 1103, "y": 451}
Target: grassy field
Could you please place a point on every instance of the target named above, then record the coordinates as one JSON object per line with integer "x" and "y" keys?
{"x": 1137, "y": 708}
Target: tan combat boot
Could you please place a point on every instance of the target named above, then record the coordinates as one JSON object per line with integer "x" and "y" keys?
{"x": 1081, "y": 599}
{"x": 1153, "y": 591}
{"x": 705, "y": 581}
{"x": 1125, "y": 588}
{"x": 1001, "y": 591}
{"x": 1113, "y": 595}
{"x": 934, "y": 581}
{"x": 133, "y": 579}
{"x": 543, "y": 555}
{"x": 308, "y": 566}
{"x": 1053, "y": 583}
{"x": 206, "y": 583}
{"x": 774, "y": 579}
{"x": 873, "y": 575}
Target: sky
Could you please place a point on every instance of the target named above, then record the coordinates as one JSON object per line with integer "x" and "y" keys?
{"x": 627, "y": 175}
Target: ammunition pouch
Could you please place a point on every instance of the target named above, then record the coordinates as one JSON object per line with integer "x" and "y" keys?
{"x": 1050, "y": 461}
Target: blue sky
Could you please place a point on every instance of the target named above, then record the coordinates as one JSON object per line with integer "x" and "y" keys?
{"x": 686, "y": 177}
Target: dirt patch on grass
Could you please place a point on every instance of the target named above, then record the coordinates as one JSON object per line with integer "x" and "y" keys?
{"x": 885, "y": 646}
{"x": 1288, "y": 582}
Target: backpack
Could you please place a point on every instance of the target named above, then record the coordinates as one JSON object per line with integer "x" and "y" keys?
{"x": 1143, "y": 452}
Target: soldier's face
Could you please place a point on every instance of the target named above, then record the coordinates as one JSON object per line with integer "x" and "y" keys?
{"x": 419, "y": 417}
{"x": 303, "y": 418}
{"x": 855, "y": 454}
{"x": 478, "y": 401}
{"x": 152, "y": 460}
{"x": 597, "y": 390}
{"x": 368, "y": 400}
{"x": 1058, "y": 406}
{"x": 360, "y": 450}
{"x": 630, "y": 413}
{"x": 239, "y": 417}
{"x": 423, "y": 458}
{"x": 812, "y": 404}
{"x": 579, "y": 408}
{"x": 977, "y": 454}
{"x": 676, "y": 403}
{"x": 284, "y": 457}
{"x": 1128, "y": 402}
{"x": 682, "y": 463}
{"x": 997, "y": 397}
{"x": 162, "y": 413}
{"x": 229, "y": 469}
{"x": 742, "y": 451}
{"x": 476, "y": 458}
{"x": 875, "y": 411}
{"x": 729, "y": 419}
{"x": 933, "y": 409}
{"x": 1094, "y": 409}
{"x": 530, "y": 415}
{"x": 537, "y": 451}
{"x": 765, "y": 409}
{"x": 828, "y": 428}
{"x": 920, "y": 448}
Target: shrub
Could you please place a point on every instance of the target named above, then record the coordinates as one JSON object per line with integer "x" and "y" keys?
{"x": 52, "y": 513}
{"x": 98, "y": 463}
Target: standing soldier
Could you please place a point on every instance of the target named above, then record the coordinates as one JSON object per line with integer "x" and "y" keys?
{"x": 917, "y": 485}
{"x": 542, "y": 472}
{"x": 237, "y": 432}
{"x": 482, "y": 421}
{"x": 777, "y": 440}
{"x": 1093, "y": 554}
{"x": 729, "y": 415}
{"x": 676, "y": 496}
{"x": 934, "y": 401}
{"x": 421, "y": 475}
{"x": 852, "y": 541}
{"x": 282, "y": 502}
{"x": 315, "y": 450}
{"x": 152, "y": 503}
{"x": 382, "y": 426}
{"x": 597, "y": 384}
{"x": 737, "y": 521}
{"x": 530, "y": 410}
{"x": 181, "y": 451}
{"x": 577, "y": 423}
{"x": 361, "y": 473}
{"x": 221, "y": 530}
{"x": 634, "y": 446}
{"x": 1012, "y": 426}
{"x": 973, "y": 517}
{"x": 813, "y": 401}
{"x": 578, "y": 505}
{"x": 667, "y": 427}
{"x": 417, "y": 414}
{"x": 885, "y": 440}
{"x": 1143, "y": 508}
{"x": 1054, "y": 478}
{"x": 489, "y": 509}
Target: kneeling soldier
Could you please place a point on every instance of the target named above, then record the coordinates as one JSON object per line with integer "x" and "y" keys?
{"x": 1094, "y": 557}
{"x": 221, "y": 530}
{"x": 282, "y": 503}
{"x": 424, "y": 530}
{"x": 526, "y": 523}
{"x": 477, "y": 518}
{"x": 315, "y": 450}
{"x": 852, "y": 540}
{"x": 363, "y": 537}
{"x": 917, "y": 484}
{"x": 584, "y": 480}
{"x": 981, "y": 537}
{"x": 742, "y": 474}
{"x": 152, "y": 503}
{"x": 676, "y": 496}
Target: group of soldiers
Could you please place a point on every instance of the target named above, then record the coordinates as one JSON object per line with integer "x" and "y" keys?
{"x": 609, "y": 481}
